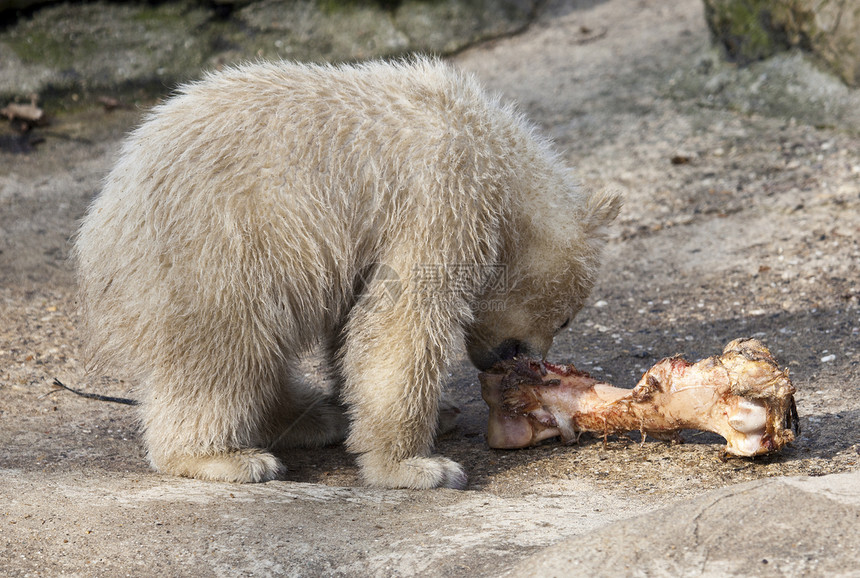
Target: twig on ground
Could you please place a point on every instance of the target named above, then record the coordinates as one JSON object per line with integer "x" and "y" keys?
{"x": 96, "y": 396}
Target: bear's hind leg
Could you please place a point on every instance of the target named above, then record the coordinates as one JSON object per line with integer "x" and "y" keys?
{"x": 448, "y": 412}
{"x": 306, "y": 418}
{"x": 241, "y": 465}
{"x": 208, "y": 429}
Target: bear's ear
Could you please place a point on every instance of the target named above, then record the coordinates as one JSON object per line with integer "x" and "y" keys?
{"x": 601, "y": 208}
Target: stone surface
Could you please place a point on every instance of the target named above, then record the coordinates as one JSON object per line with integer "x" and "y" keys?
{"x": 121, "y": 49}
{"x": 751, "y": 30}
{"x": 776, "y": 527}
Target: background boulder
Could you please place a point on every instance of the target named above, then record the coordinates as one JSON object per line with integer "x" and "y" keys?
{"x": 751, "y": 30}
{"x": 145, "y": 48}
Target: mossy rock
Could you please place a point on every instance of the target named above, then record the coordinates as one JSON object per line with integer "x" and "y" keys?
{"x": 102, "y": 47}
{"x": 147, "y": 48}
{"x": 751, "y": 30}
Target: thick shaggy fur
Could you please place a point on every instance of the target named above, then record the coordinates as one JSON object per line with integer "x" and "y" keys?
{"x": 273, "y": 207}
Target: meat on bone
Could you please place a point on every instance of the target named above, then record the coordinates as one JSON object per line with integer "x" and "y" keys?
{"x": 741, "y": 395}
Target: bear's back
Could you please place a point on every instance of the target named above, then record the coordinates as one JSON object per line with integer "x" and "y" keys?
{"x": 311, "y": 138}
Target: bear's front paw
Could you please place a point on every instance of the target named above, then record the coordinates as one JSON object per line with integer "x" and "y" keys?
{"x": 242, "y": 466}
{"x": 415, "y": 473}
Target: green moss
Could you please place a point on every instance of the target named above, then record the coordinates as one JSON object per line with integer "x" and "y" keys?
{"x": 39, "y": 46}
{"x": 105, "y": 46}
{"x": 156, "y": 15}
{"x": 752, "y": 30}
{"x": 743, "y": 28}
{"x": 330, "y": 7}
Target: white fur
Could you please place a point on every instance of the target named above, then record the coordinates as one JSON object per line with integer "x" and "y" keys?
{"x": 273, "y": 207}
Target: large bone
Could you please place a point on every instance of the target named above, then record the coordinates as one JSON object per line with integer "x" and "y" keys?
{"x": 741, "y": 395}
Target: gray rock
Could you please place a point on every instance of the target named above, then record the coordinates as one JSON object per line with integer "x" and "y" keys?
{"x": 112, "y": 48}
{"x": 751, "y": 30}
{"x": 103, "y": 47}
{"x": 788, "y": 85}
{"x": 776, "y": 527}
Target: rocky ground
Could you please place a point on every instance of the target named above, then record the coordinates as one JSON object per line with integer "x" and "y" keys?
{"x": 741, "y": 188}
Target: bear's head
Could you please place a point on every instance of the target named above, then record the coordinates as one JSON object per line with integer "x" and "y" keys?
{"x": 546, "y": 272}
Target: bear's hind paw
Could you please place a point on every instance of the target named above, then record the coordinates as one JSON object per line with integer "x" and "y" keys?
{"x": 320, "y": 425}
{"x": 448, "y": 412}
{"x": 414, "y": 473}
{"x": 241, "y": 466}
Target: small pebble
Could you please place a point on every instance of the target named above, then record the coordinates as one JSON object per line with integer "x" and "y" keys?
{"x": 828, "y": 358}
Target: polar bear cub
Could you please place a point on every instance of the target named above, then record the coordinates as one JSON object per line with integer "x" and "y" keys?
{"x": 386, "y": 211}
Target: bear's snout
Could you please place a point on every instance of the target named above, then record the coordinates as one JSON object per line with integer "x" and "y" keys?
{"x": 484, "y": 359}
{"x": 510, "y": 348}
